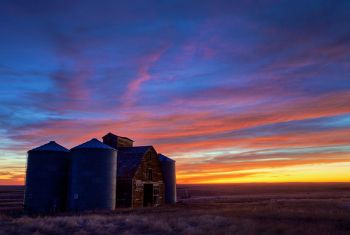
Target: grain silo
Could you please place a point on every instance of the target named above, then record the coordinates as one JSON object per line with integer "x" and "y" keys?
{"x": 169, "y": 175}
{"x": 93, "y": 176}
{"x": 47, "y": 178}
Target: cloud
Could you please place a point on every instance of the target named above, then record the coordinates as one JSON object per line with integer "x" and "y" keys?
{"x": 143, "y": 75}
{"x": 188, "y": 78}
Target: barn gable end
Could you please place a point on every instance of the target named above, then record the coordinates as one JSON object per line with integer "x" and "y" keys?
{"x": 148, "y": 179}
{"x": 139, "y": 169}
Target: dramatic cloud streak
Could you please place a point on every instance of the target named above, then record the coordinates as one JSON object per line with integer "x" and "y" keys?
{"x": 235, "y": 92}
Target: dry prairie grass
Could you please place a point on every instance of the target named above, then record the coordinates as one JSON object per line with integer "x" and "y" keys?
{"x": 267, "y": 212}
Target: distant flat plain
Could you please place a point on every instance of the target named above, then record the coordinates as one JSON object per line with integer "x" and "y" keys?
{"x": 278, "y": 208}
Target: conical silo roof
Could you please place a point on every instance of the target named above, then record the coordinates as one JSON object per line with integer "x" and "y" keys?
{"x": 93, "y": 144}
{"x": 51, "y": 146}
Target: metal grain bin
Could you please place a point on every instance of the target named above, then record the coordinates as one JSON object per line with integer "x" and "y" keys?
{"x": 169, "y": 175}
{"x": 93, "y": 177}
{"x": 47, "y": 178}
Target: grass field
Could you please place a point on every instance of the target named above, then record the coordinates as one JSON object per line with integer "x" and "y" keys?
{"x": 11, "y": 198}
{"x": 203, "y": 209}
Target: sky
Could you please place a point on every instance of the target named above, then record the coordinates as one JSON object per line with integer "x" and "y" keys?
{"x": 234, "y": 91}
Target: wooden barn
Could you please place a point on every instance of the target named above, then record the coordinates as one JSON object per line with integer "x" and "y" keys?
{"x": 139, "y": 174}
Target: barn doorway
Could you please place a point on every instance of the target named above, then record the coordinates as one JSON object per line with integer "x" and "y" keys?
{"x": 147, "y": 194}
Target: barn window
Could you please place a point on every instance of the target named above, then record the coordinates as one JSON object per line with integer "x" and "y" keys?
{"x": 149, "y": 156}
{"x": 155, "y": 195}
{"x": 155, "y": 191}
{"x": 150, "y": 174}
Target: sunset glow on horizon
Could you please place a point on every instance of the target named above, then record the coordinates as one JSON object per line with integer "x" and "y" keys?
{"x": 235, "y": 92}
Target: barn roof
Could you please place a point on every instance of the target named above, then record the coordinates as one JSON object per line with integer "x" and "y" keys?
{"x": 129, "y": 159}
{"x": 93, "y": 144}
{"x": 164, "y": 158}
{"x": 51, "y": 146}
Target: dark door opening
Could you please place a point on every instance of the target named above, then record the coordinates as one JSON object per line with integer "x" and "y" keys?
{"x": 147, "y": 194}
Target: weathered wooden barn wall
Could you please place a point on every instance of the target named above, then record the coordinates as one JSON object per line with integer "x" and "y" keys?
{"x": 150, "y": 161}
{"x": 124, "y": 142}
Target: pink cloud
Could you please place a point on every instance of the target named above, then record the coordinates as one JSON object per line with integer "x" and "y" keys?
{"x": 143, "y": 75}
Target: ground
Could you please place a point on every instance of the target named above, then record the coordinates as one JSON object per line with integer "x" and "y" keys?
{"x": 210, "y": 209}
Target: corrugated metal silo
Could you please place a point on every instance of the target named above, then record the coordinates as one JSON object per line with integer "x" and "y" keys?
{"x": 93, "y": 177}
{"x": 47, "y": 178}
{"x": 169, "y": 174}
